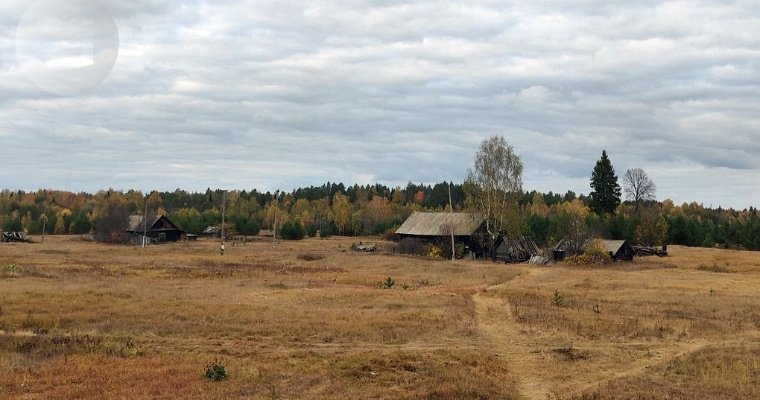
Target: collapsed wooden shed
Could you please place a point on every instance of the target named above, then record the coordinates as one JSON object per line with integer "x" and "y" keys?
{"x": 521, "y": 249}
{"x": 214, "y": 232}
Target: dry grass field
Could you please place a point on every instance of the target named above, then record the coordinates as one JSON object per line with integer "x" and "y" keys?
{"x": 312, "y": 320}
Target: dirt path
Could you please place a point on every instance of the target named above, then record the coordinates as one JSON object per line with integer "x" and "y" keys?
{"x": 502, "y": 335}
{"x": 665, "y": 357}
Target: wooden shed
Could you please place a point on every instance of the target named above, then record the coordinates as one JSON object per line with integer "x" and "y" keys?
{"x": 619, "y": 250}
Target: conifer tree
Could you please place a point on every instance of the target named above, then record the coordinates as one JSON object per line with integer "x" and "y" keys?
{"x": 605, "y": 193}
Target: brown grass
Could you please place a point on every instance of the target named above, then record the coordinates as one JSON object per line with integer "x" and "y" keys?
{"x": 312, "y": 319}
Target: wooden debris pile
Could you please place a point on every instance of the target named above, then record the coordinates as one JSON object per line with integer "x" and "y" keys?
{"x": 643, "y": 251}
{"x": 539, "y": 260}
{"x": 518, "y": 250}
{"x": 14, "y": 237}
{"x": 367, "y": 248}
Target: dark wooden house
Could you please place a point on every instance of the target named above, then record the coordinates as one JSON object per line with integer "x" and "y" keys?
{"x": 422, "y": 229}
{"x": 157, "y": 230}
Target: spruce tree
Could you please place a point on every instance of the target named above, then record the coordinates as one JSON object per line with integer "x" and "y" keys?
{"x": 605, "y": 193}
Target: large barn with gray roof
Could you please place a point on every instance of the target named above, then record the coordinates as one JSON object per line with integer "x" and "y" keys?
{"x": 435, "y": 228}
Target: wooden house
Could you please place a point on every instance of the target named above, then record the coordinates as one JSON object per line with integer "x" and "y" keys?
{"x": 157, "y": 230}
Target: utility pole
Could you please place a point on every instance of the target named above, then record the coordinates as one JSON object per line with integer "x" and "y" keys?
{"x": 224, "y": 201}
{"x": 451, "y": 221}
{"x": 44, "y": 222}
{"x": 274, "y": 227}
{"x": 145, "y": 221}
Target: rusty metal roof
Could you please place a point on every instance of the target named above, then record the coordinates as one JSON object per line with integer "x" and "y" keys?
{"x": 440, "y": 223}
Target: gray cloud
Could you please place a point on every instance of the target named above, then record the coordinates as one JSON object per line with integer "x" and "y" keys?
{"x": 277, "y": 94}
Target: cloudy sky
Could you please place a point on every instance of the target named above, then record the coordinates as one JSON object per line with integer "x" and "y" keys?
{"x": 280, "y": 94}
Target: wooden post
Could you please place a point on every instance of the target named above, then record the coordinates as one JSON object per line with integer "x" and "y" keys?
{"x": 44, "y": 222}
{"x": 224, "y": 200}
{"x": 451, "y": 224}
{"x": 145, "y": 222}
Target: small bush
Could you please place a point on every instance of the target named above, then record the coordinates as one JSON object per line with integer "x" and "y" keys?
{"x": 312, "y": 230}
{"x": 434, "y": 251}
{"x": 310, "y": 257}
{"x": 292, "y": 230}
{"x": 594, "y": 253}
{"x": 215, "y": 371}
{"x": 388, "y": 283}
{"x": 558, "y": 300}
{"x": 714, "y": 268}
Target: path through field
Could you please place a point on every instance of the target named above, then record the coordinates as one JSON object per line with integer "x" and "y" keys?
{"x": 537, "y": 371}
{"x": 502, "y": 334}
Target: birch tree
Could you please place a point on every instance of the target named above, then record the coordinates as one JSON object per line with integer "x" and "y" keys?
{"x": 494, "y": 186}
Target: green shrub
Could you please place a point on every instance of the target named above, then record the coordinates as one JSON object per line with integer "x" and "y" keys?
{"x": 292, "y": 230}
{"x": 311, "y": 230}
{"x": 215, "y": 371}
{"x": 388, "y": 283}
{"x": 558, "y": 300}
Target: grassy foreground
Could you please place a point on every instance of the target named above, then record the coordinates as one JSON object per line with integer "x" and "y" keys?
{"x": 313, "y": 319}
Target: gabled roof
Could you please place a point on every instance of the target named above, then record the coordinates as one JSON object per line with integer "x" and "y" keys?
{"x": 136, "y": 224}
{"x": 212, "y": 230}
{"x": 440, "y": 223}
{"x": 611, "y": 246}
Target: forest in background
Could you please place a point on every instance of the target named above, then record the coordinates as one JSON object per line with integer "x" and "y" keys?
{"x": 336, "y": 209}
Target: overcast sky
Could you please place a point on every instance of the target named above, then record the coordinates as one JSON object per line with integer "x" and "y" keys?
{"x": 281, "y": 94}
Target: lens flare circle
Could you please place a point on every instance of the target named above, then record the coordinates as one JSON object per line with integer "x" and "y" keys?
{"x": 67, "y": 47}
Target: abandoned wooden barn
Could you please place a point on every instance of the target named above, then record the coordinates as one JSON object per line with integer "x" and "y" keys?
{"x": 619, "y": 250}
{"x": 423, "y": 229}
{"x": 157, "y": 230}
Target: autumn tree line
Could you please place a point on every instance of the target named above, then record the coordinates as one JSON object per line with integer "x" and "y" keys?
{"x": 331, "y": 209}
{"x": 335, "y": 209}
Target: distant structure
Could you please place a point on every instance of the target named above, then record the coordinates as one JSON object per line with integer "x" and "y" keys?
{"x": 423, "y": 229}
{"x": 159, "y": 230}
{"x": 521, "y": 249}
{"x": 214, "y": 232}
{"x": 619, "y": 250}
{"x": 14, "y": 237}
